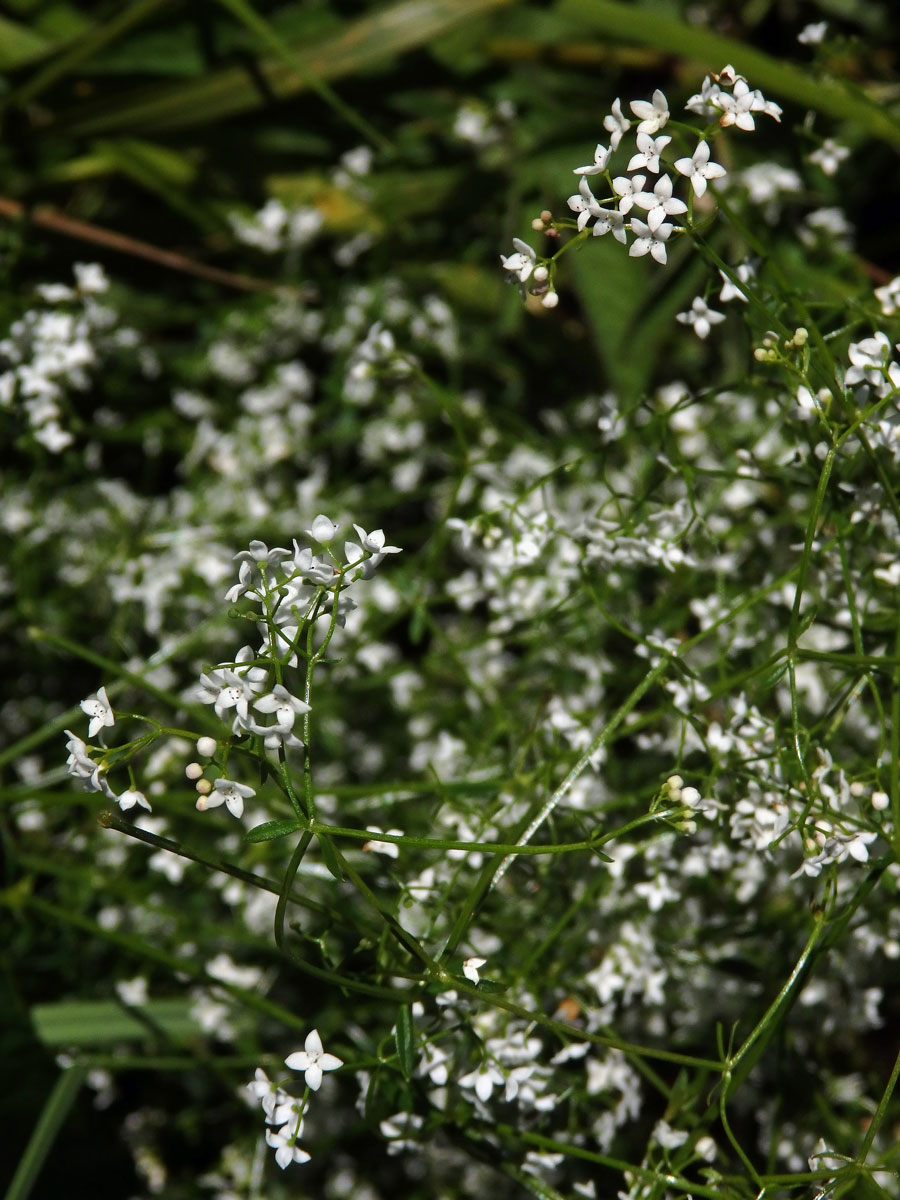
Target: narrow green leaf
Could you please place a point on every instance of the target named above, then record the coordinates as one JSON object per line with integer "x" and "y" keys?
{"x": 329, "y": 857}
{"x": 54, "y": 1112}
{"x": 491, "y": 986}
{"x": 405, "y": 1037}
{"x": 100, "y": 1022}
{"x": 361, "y": 44}
{"x": 86, "y": 46}
{"x": 270, "y": 830}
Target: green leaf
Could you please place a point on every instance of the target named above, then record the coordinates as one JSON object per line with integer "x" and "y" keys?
{"x": 330, "y": 858}
{"x": 643, "y": 25}
{"x": 100, "y": 1022}
{"x": 54, "y": 1112}
{"x": 491, "y": 986}
{"x": 358, "y": 47}
{"x": 19, "y": 45}
{"x": 405, "y": 1037}
{"x": 270, "y": 830}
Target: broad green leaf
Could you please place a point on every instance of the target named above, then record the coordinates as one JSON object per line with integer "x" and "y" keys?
{"x": 405, "y": 1037}
{"x": 628, "y": 316}
{"x": 270, "y": 830}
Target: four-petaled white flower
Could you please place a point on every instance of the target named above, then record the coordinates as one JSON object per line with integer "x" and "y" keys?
{"x": 601, "y": 159}
{"x": 652, "y": 115}
{"x": 99, "y": 709}
{"x": 660, "y": 203}
{"x": 522, "y": 263}
{"x": 649, "y": 150}
{"x": 699, "y": 169}
{"x": 229, "y": 793}
{"x": 284, "y": 1143}
{"x": 610, "y": 220}
{"x": 285, "y": 707}
{"x": 313, "y": 1060}
{"x": 484, "y": 1080}
{"x": 700, "y": 316}
{"x": 628, "y": 190}
{"x": 829, "y": 156}
{"x": 650, "y": 241}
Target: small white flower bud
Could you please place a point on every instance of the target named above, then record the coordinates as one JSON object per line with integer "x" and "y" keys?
{"x": 801, "y": 336}
{"x": 204, "y": 787}
{"x": 206, "y": 746}
{"x": 541, "y": 274}
{"x": 537, "y": 225}
{"x": 880, "y": 801}
{"x": 193, "y": 770}
{"x": 550, "y": 300}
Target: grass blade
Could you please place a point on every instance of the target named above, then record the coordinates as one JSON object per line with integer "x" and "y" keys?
{"x": 361, "y": 44}
{"x": 54, "y": 1112}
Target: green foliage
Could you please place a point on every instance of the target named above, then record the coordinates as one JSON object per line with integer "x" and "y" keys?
{"x": 566, "y": 841}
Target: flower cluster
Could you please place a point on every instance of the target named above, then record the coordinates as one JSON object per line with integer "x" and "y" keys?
{"x": 285, "y": 1114}
{"x": 724, "y": 100}
{"x": 57, "y": 349}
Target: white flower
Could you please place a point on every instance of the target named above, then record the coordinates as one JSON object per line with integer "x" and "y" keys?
{"x": 699, "y": 169}
{"x": 730, "y": 291}
{"x": 601, "y": 158}
{"x": 313, "y": 1061}
{"x": 130, "y": 798}
{"x": 652, "y": 115}
{"x": 470, "y": 968}
{"x": 812, "y": 34}
{"x": 229, "y": 793}
{"x": 285, "y": 707}
{"x": 660, "y": 203}
{"x": 737, "y": 106}
{"x": 484, "y": 1080}
{"x": 647, "y": 240}
{"x": 700, "y": 317}
{"x": 668, "y": 1137}
{"x": 323, "y": 529}
{"x": 99, "y": 709}
{"x": 649, "y": 150}
{"x": 610, "y": 221}
{"x": 522, "y": 263}
{"x": 284, "y": 1143}
{"x": 225, "y": 689}
{"x": 616, "y": 124}
{"x": 889, "y": 297}
{"x": 627, "y": 190}
{"x": 269, "y": 1094}
{"x": 829, "y": 156}
{"x": 584, "y": 204}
